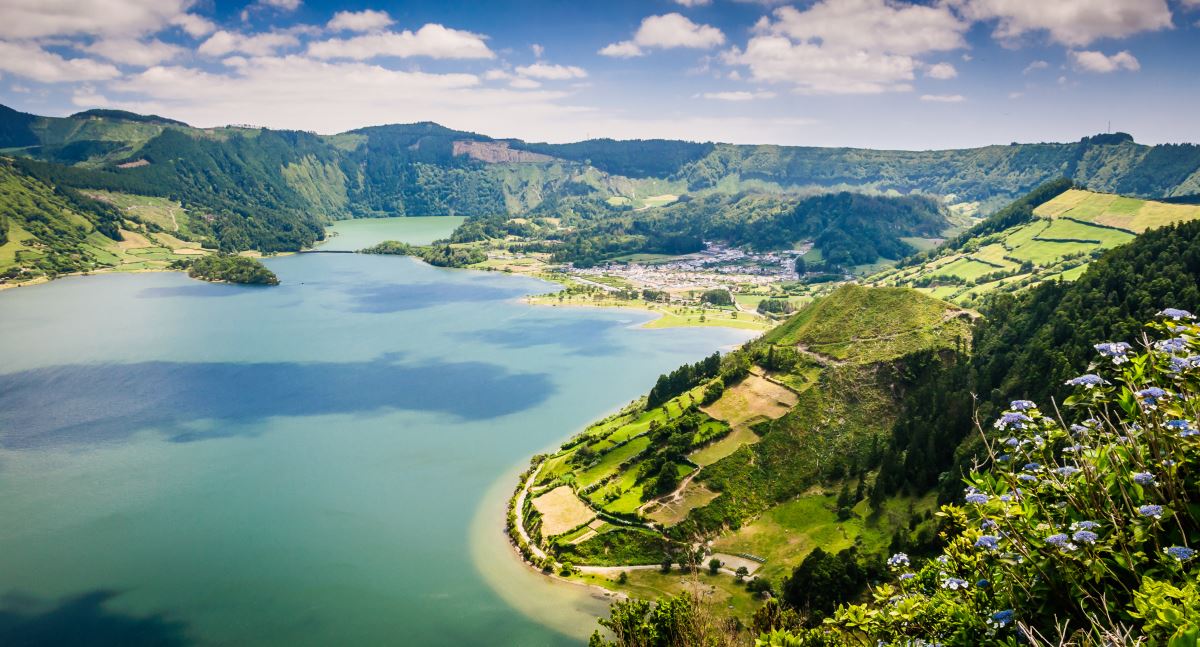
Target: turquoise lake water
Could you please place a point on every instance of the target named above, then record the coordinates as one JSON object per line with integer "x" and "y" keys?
{"x": 323, "y": 462}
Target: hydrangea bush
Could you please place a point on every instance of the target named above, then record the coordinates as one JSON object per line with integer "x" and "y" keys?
{"x": 1083, "y": 531}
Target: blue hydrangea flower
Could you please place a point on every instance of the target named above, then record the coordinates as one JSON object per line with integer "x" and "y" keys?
{"x": 1001, "y": 619}
{"x": 1027, "y": 478}
{"x": 1173, "y": 345}
{"x": 1180, "y": 553}
{"x": 907, "y": 576}
{"x": 1116, "y": 351}
{"x": 1151, "y": 510}
{"x": 1183, "y": 427}
{"x": 1150, "y": 396}
{"x": 1061, "y": 541}
{"x": 1085, "y": 537}
{"x": 1067, "y": 470}
{"x": 1032, "y": 467}
{"x": 954, "y": 584}
{"x": 1143, "y": 478}
{"x": 1003, "y": 458}
{"x": 1012, "y": 442}
{"x": 977, "y": 498}
{"x": 1090, "y": 380}
{"x": 983, "y": 583}
{"x": 1175, "y": 314}
{"x": 988, "y": 542}
{"x": 1014, "y": 420}
{"x": 988, "y": 524}
{"x": 897, "y": 560}
{"x": 1085, "y": 525}
{"x": 1073, "y": 449}
{"x": 1022, "y": 405}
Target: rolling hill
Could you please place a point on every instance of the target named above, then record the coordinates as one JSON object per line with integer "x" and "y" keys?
{"x": 1033, "y": 241}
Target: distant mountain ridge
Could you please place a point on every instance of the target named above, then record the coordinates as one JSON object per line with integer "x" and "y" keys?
{"x": 275, "y": 190}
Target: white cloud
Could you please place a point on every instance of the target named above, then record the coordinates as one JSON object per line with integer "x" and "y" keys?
{"x": 1015, "y": 95}
{"x": 941, "y": 71}
{"x": 32, "y": 62}
{"x": 496, "y": 75}
{"x": 877, "y": 26}
{"x": 1070, "y": 22}
{"x": 264, "y": 44}
{"x": 135, "y": 52}
{"x": 361, "y": 21}
{"x": 943, "y": 98}
{"x": 283, "y": 5}
{"x": 524, "y": 84}
{"x": 1035, "y": 66}
{"x": 1091, "y": 61}
{"x": 552, "y": 72}
{"x": 42, "y": 18}
{"x": 693, "y": 3}
{"x": 193, "y": 25}
{"x": 432, "y": 40}
{"x": 817, "y": 70}
{"x": 537, "y": 50}
{"x": 850, "y": 46}
{"x": 623, "y": 49}
{"x": 666, "y": 32}
{"x": 740, "y": 95}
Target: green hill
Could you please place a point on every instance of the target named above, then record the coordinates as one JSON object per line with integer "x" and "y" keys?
{"x": 1033, "y": 241}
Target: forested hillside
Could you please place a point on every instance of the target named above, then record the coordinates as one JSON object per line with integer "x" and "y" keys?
{"x": 270, "y": 190}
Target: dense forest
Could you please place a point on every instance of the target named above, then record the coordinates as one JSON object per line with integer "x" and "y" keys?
{"x": 439, "y": 255}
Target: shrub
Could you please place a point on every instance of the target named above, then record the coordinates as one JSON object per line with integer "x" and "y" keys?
{"x": 1077, "y": 532}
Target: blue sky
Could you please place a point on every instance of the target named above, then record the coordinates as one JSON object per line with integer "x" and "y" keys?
{"x": 869, "y": 73}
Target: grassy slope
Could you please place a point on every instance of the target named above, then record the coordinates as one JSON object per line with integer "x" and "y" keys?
{"x": 1066, "y": 234}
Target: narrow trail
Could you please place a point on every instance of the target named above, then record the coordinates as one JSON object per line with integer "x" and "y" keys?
{"x": 519, "y": 506}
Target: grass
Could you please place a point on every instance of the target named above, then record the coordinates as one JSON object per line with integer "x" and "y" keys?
{"x": 753, "y": 397}
{"x": 672, "y": 316}
{"x": 695, "y": 495}
{"x": 786, "y": 533}
{"x": 561, "y": 511}
{"x": 1076, "y": 224}
{"x": 724, "y": 447}
{"x": 720, "y": 592}
{"x": 612, "y": 460}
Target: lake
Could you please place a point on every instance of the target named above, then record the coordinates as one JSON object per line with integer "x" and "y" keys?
{"x": 323, "y": 462}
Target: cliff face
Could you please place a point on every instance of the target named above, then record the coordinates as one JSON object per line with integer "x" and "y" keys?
{"x": 497, "y": 153}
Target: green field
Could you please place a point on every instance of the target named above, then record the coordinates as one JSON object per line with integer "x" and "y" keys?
{"x": 1064, "y": 235}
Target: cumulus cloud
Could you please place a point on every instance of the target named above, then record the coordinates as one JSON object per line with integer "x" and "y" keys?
{"x": 32, "y": 62}
{"x": 283, "y": 5}
{"x": 1035, "y": 66}
{"x": 537, "y": 50}
{"x": 1073, "y": 23}
{"x": 193, "y": 25}
{"x": 941, "y": 71}
{"x": 701, "y": 3}
{"x": 524, "y": 84}
{"x": 849, "y": 46}
{"x": 366, "y": 20}
{"x": 943, "y": 98}
{"x": 739, "y": 95}
{"x": 552, "y": 72}
{"x": 42, "y": 18}
{"x": 228, "y": 42}
{"x": 1099, "y": 62}
{"x": 666, "y": 32}
{"x": 432, "y": 40}
{"x": 130, "y": 51}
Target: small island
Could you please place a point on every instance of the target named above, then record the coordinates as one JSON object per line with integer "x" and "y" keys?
{"x": 227, "y": 268}
{"x": 437, "y": 255}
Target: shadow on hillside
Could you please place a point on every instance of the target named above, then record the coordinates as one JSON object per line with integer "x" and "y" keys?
{"x": 83, "y": 620}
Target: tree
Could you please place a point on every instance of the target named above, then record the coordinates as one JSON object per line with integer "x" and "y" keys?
{"x": 717, "y": 297}
{"x": 742, "y": 572}
{"x": 714, "y": 566}
{"x": 801, "y": 266}
{"x": 623, "y": 578}
{"x": 666, "y": 564}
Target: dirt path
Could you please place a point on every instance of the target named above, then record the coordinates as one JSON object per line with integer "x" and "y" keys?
{"x": 519, "y": 506}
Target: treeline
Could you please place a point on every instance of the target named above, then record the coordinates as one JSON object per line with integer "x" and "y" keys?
{"x": 228, "y": 269}
{"x": 681, "y": 379}
{"x": 637, "y": 158}
{"x": 438, "y": 255}
{"x": 848, "y": 228}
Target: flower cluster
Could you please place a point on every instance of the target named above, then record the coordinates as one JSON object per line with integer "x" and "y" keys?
{"x": 1070, "y": 513}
